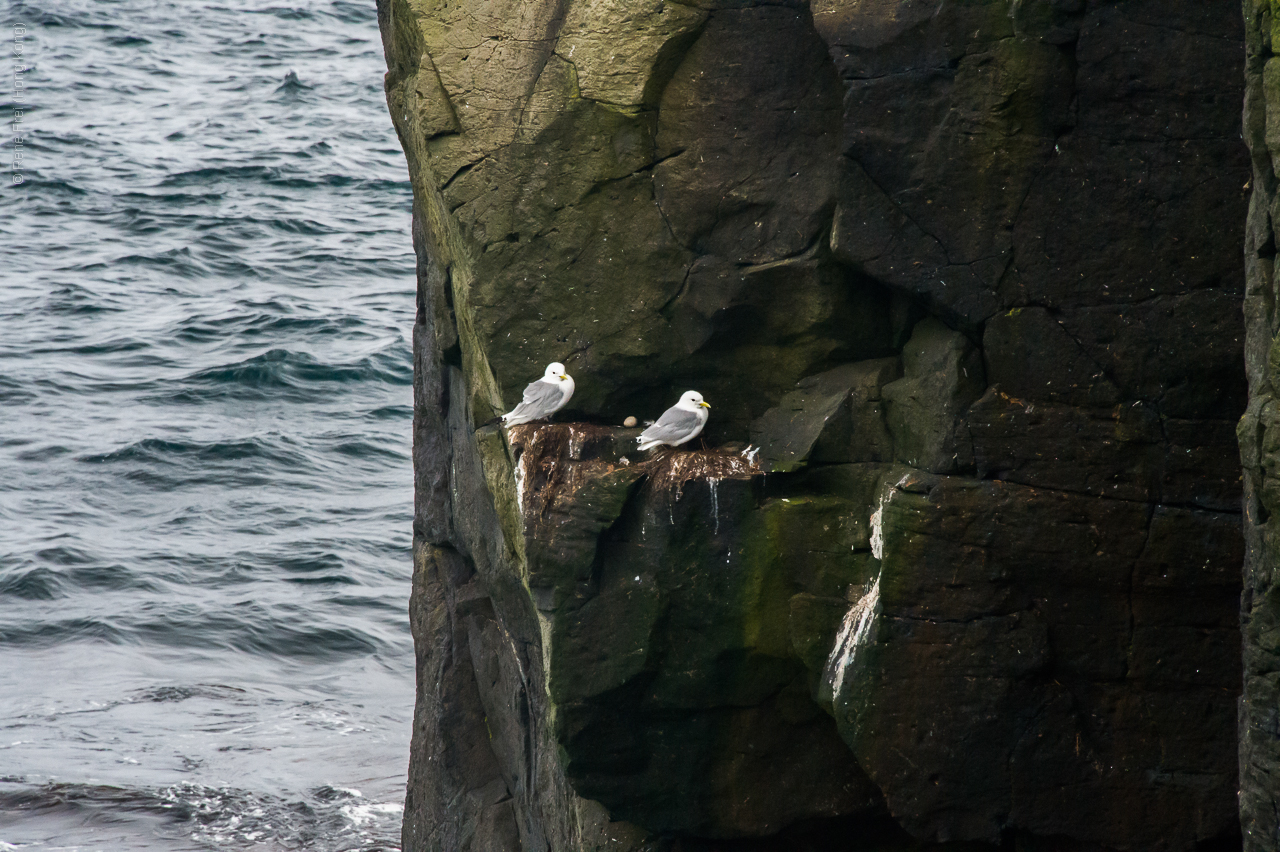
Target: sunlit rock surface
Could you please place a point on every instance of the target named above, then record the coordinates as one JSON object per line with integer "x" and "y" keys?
{"x": 1259, "y": 431}
{"x": 958, "y": 555}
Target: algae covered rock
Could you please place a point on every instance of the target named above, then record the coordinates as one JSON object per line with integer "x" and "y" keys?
{"x": 1259, "y": 436}
{"x": 679, "y": 702}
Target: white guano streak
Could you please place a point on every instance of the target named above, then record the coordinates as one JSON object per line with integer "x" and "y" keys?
{"x": 715, "y": 503}
{"x": 877, "y": 530}
{"x": 853, "y": 635}
{"x": 520, "y": 477}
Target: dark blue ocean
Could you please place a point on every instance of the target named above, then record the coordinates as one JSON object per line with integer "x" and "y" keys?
{"x": 206, "y": 293}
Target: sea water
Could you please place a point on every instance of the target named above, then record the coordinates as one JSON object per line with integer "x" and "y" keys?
{"x": 206, "y": 293}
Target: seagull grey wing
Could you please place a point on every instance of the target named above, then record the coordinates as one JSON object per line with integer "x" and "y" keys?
{"x": 543, "y": 396}
{"x": 541, "y": 399}
{"x": 673, "y": 426}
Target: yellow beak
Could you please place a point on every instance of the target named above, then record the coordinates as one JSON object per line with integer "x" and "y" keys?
{"x": 705, "y": 404}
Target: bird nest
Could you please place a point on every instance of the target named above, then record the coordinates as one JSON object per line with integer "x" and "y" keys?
{"x": 554, "y": 460}
{"x": 671, "y": 468}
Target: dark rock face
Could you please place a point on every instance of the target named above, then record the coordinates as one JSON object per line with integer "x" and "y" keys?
{"x": 1260, "y": 604}
{"x": 1040, "y": 656}
{"x": 965, "y": 275}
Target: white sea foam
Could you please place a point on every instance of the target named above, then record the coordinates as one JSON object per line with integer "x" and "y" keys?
{"x": 363, "y": 813}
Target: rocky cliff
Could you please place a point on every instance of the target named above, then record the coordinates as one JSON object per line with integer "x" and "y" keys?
{"x": 1259, "y": 433}
{"x": 960, "y": 558}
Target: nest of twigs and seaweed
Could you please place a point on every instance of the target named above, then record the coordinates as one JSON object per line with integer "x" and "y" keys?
{"x": 670, "y": 468}
{"x": 554, "y": 460}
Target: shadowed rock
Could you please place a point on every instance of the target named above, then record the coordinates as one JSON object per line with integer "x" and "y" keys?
{"x": 833, "y": 417}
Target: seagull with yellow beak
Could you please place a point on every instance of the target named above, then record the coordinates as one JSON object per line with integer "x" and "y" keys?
{"x": 679, "y": 423}
{"x": 542, "y": 398}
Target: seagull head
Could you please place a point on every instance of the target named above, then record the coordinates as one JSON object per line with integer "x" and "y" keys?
{"x": 692, "y": 401}
{"x": 555, "y": 372}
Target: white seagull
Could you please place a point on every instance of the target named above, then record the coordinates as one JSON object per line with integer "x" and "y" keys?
{"x": 679, "y": 423}
{"x": 542, "y": 398}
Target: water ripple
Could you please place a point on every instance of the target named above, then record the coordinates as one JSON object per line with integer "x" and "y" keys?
{"x": 206, "y": 380}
